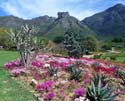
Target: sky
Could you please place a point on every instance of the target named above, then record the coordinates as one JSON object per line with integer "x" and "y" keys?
{"x": 80, "y": 9}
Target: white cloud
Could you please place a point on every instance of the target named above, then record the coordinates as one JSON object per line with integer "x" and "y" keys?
{"x": 33, "y": 8}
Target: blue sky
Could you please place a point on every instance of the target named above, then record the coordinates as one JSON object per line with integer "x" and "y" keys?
{"x": 33, "y": 8}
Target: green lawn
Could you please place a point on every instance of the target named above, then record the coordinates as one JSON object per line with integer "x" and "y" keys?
{"x": 11, "y": 90}
{"x": 120, "y": 57}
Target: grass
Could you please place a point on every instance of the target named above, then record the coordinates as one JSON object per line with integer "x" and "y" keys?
{"x": 10, "y": 89}
{"x": 120, "y": 57}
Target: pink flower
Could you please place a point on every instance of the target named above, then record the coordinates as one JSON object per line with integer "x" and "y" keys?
{"x": 86, "y": 82}
{"x": 79, "y": 92}
{"x": 45, "y": 86}
{"x": 37, "y": 63}
{"x": 16, "y": 72}
{"x": 12, "y": 64}
{"x": 49, "y": 96}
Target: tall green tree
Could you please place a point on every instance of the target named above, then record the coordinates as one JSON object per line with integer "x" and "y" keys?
{"x": 72, "y": 45}
{"x": 90, "y": 43}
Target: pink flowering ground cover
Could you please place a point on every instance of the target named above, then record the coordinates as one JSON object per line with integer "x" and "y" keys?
{"x": 59, "y": 86}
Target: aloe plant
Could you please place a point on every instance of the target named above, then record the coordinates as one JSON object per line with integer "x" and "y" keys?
{"x": 70, "y": 68}
{"x": 99, "y": 92}
{"x": 52, "y": 71}
{"x": 75, "y": 73}
{"x": 121, "y": 73}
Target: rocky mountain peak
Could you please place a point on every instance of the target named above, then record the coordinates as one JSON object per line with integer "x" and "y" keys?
{"x": 117, "y": 7}
{"x": 63, "y": 14}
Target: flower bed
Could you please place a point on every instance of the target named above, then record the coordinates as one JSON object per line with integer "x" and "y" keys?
{"x": 67, "y": 79}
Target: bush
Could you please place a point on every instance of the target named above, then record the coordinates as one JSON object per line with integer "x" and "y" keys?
{"x": 113, "y": 58}
{"x": 97, "y": 56}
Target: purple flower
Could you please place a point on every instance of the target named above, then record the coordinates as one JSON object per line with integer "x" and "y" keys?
{"x": 79, "y": 92}
{"x": 17, "y": 71}
{"x": 50, "y": 96}
{"x": 12, "y": 64}
{"x": 45, "y": 86}
{"x": 86, "y": 82}
{"x": 37, "y": 63}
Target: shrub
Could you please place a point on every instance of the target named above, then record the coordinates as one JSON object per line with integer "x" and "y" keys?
{"x": 113, "y": 58}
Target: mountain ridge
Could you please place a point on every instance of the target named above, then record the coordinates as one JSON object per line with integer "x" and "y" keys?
{"x": 50, "y": 27}
{"x": 110, "y": 22}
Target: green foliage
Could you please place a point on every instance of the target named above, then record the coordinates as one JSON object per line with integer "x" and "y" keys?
{"x": 90, "y": 43}
{"x": 75, "y": 73}
{"x": 97, "y": 56}
{"x": 58, "y": 39}
{"x": 106, "y": 46}
{"x": 5, "y": 40}
{"x": 72, "y": 45}
{"x": 113, "y": 58}
{"x": 52, "y": 71}
{"x": 121, "y": 73}
{"x": 117, "y": 40}
{"x": 119, "y": 57}
{"x": 100, "y": 92}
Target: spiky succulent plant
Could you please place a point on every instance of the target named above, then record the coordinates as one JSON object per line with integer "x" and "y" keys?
{"x": 99, "y": 92}
{"x": 121, "y": 74}
{"x": 75, "y": 73}
{"x": 52, "y": 71}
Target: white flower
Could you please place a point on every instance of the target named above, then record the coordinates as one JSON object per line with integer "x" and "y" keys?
{"x": 47, "y": 65}
{"x": 34, "y": 81}
{"x": 82, "y": 98}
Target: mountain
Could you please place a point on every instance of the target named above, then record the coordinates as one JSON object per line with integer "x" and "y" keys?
{"x": 50, "y": 27}
{"x": 110, "y": 22}
{"x": 10, "y": 21}
{"x": 43, "y": 22}
{"x": 64, "y": 22}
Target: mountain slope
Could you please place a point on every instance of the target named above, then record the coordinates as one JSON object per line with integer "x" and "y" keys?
{"x": 64, "y": 22}
{"x": 49, "y": 26}
{"x": 11, "y": 21}
{"x": 111, "y": 22}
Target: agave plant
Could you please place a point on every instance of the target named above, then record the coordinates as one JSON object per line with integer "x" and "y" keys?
{"x": 70, "y": 68}
{"x": 99, "y": 92}
{"x": 75, "y": 73}
{"x": 103, "y": 78}
{"x": 121, "y": 74}
{"x": 52, "y": 71}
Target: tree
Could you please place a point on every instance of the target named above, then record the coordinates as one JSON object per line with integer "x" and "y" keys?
{"x": 72, "y": 45}
{"x": 4, "y": 39}
{"x": 25, "y": 42}
{"x": 90, "y": 43}
{"x": 58, "y": 39}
